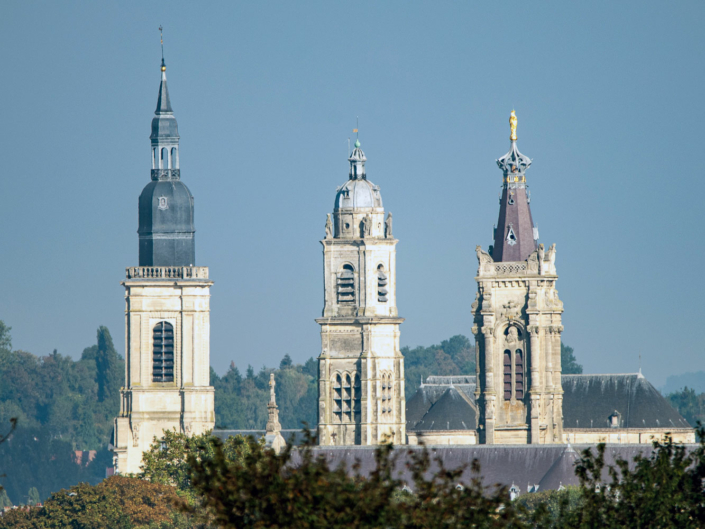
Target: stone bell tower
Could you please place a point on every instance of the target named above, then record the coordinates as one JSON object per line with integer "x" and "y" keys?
{"x": 517, "y": 321}
{"x": 167, "y": 314}
{"x": 361, "y": 369}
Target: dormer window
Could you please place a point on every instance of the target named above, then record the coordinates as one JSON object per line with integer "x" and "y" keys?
{"x": 346, "y": 285}
{"x": 511, "y": 237}
{"x": 382, "y": 285}
{"x": 615, "y": 419}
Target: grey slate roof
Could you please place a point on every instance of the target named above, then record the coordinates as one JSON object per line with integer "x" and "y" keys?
{"x": 562, "y": 472}
{"x": 429, "y": 393}
{"x": 452, "y": 411}
{"x": 589, "y": 400}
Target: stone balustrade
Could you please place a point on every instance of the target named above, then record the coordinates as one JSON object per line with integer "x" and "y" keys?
{"x": 167, "y": 272}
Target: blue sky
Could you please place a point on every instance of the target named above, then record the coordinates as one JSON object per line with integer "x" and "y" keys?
{"x": 609, "y": 101}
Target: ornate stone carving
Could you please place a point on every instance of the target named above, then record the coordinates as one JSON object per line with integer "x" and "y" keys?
{"x": 475, "y": 330}
{"x": 512, "y": 335}
{"x": 487, "y": 330}
{"x": 329, "y": 227}
{"x": 551, "y": 257}
{"x": 482, "y": 256}
{"x": 542, "y": 266}
{"x": 533, "y": 329}
{"x": 388, "y": 226}
{"x": 135, "y": 434}
{"x": 475, "y": 303}
{"x": 511, "y": 311}
{"x": 534, "y": 262}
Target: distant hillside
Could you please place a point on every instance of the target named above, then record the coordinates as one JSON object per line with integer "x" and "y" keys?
{"x": 694, "y": 381}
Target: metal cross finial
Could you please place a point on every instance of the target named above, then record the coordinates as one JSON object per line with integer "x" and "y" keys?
{"x": 161, "y": 40}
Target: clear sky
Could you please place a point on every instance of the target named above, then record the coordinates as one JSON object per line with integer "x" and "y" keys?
{"x": 608, "y": 97}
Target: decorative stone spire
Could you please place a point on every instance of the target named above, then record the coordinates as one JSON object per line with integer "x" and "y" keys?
{"x": 273, "y": 437}
{"x": 515, "y": 236}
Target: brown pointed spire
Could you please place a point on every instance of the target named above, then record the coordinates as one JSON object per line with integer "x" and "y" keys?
{"x": 515, "y": 236}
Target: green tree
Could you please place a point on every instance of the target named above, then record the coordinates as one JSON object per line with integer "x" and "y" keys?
{"x": 569, "y": 364}
{"x": 109, "y": 374}
{"x": 4, "y": 499}
{"x": 664, "y": 489}
{"x": 298, "y": 489}
{"x": 689, "y": 404}
{"x": 33, "y": 497}
{"x": 455, "y": 356}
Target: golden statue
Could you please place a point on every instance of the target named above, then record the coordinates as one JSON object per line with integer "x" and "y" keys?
{"x": 513, "y": 126}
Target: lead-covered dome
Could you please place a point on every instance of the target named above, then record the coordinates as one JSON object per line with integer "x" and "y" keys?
{"x": 358, "y": 192}
{"x": 166, "y": 227}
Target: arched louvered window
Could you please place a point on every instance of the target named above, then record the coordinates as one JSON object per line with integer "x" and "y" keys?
{"x": 338, "y": 398}
{"x": 518, "y": 375}
{"x": 347, "y": 399}
{"x": 381, "y": 285}
{"x": 163, "y": 352}
{"x": 386, "y": 396}
{"x": 346, "y": 284}
{"x": 356, "y": 398}
{"x": 507, "y": 374}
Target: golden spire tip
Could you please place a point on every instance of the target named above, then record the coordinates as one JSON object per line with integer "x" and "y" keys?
{"x": 513, "y": 126}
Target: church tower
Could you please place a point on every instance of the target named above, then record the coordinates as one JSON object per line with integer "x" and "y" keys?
{"x": 361, "y": 369}
{"x": 167, "y": 315}
{"x": 517, "y": 321}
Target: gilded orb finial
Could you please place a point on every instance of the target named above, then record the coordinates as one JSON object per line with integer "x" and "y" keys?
{"x": 513, "y": 126}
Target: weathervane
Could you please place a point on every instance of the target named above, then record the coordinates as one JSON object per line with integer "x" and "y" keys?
{"x": 161, "y": 40}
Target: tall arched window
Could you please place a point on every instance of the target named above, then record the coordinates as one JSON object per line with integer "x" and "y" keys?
{"x": 518, "y": 375}
{"x": 163, "y": 352}
{"x": 356, "y": 398}
{"x": 338, "y": 398}
{"x": 347, "y": 399}
{"x": 346, "y": 284}
{"x": 507, "y": 374}
{"x": 164, "y": 163}
{"x": 174, "y": 158}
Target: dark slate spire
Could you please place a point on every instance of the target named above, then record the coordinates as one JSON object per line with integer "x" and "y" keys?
{"x": 163, "y": 103}
{"x": 166, "y": 229}
{"x": 515, "y": 235}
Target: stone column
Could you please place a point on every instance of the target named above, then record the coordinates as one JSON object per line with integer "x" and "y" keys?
{"x": 490, "y": 395}
{"x": 535, "y": 389}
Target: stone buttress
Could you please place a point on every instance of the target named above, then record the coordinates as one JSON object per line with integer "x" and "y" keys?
{"x": 361, "y": 369}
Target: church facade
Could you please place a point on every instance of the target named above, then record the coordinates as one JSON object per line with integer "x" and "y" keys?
{"x": 167, "y": 310}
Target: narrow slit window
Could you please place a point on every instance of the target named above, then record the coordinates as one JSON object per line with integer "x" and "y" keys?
{"x": 163, "y": 352}
{"x": 507, "y": 375}
{"x": 519, "y": 374}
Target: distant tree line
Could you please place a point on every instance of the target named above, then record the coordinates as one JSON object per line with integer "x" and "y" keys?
{"x": 63, "y": 405}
